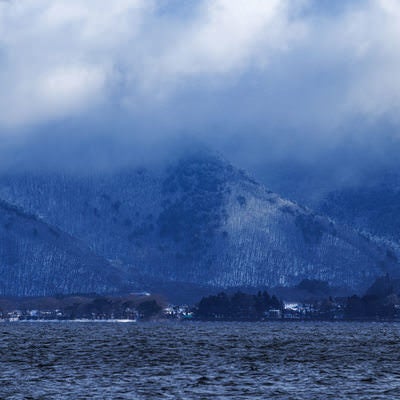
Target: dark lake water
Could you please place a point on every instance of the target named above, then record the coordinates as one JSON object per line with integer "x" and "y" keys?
{"x": 199, "y": 361}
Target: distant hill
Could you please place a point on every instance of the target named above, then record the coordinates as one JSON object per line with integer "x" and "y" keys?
{"x": 374, "y": 207}
{"x": 201, "y": 221}
{"x": 39, "y": 259}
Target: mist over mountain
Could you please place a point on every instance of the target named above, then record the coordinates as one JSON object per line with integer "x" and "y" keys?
{"x": 102, "y": 105}
{"x": 372, "y": 207}
{"x": 354, "y": 186}
{"x": 199, "y": 220}
{"x": 216, "y": 160}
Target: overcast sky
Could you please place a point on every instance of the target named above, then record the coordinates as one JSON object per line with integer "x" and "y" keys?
{"x": 257, "y": 75}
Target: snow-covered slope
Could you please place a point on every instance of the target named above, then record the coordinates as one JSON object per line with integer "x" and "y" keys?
{"x": 373, "y": 207}
{"x": 38, "y": 259}
{"x": 200, "y": 220}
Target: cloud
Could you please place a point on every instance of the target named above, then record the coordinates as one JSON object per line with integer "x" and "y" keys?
{"x": 294, "y": 69}
{"x": 57, "y": 57}
{"x": 373, "y": 35}
{"x": 60, "y": 57}
{"x": 229, "y": 36}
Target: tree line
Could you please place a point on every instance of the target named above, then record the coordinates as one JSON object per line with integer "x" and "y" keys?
{"x": 239, "y": 306}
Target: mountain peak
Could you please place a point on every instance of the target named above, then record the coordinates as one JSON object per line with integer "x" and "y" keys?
{"x": 200, "y": 220}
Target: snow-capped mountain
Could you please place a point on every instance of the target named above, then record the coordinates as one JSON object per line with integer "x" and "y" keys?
{"x": 199, "y": 220}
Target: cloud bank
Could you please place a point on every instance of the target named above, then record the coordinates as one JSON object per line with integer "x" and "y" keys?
{"x": 256, "y": 71}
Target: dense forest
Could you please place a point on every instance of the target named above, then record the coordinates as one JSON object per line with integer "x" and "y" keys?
{"x": 380, "y": 302}
{"x": 239, "y": 306}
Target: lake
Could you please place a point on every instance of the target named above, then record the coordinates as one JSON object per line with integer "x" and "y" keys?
{"x": 298, "y": 360}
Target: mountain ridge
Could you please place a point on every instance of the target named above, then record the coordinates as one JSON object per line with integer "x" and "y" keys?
{"x": 203, "y": 221}
{"x": 39, "y": 259}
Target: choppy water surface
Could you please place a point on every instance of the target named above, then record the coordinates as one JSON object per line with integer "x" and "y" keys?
{"x": 199, "y": 361}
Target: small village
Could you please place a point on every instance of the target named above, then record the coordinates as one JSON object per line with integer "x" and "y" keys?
{"x": 332, "y": 310}
{"x": 379, "y": 303}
